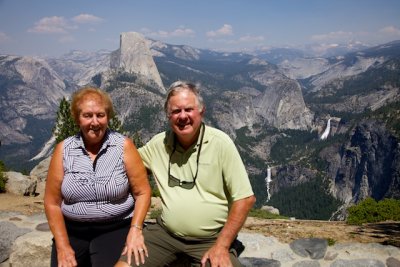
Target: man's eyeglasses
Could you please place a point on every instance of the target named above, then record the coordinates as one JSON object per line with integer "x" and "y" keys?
{"x": 173, "y": 181}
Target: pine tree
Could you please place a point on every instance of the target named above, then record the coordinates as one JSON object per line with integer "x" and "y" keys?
{"x": 3, "y": 178}
{"x": 137, "y": 140}
{"x": 115, "y": 124}
{"x": 65, "y": 124}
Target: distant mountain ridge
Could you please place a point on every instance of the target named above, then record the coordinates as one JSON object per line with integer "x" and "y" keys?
{"x": 30, "y": 91}
{"x": 274, "y": 112}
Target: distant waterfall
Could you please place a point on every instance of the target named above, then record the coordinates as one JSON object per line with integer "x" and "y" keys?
{"x": 267, "y": 181}
{"x": 327, "y": 130}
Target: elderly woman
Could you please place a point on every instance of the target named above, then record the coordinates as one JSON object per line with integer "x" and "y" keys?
{"x": 97, "y": 192}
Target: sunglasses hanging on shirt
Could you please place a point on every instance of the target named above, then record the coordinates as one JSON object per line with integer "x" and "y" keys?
{"x": 173, "y": 181}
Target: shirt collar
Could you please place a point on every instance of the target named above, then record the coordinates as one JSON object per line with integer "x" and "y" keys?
{"x": 107, "y": 141}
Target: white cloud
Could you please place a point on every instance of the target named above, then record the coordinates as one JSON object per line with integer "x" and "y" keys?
{"x": 333, "y": 36}
{"x": 61, "y": 25}
{"x": 179, "y": 32}
{"x": 161, "y": 34}
{"x": 387, "y": 33}
{"x": 251, "y": 39}
{"x": 236, "y": 44}
{"x": 182, "y": 32}
{"x": 392, "y": 30}
{"x": 223, "y": 31}
{"x": 66, "y": 39}
{"x": 51, "y": 25}
{"x": 4, "y": 37}
{"x": 86, "y": 18}
{"x": 145, "y": 30}
{"x": 323, "y": 48}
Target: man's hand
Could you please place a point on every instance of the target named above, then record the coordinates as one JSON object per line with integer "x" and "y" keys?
{"x": 218, "y": 256}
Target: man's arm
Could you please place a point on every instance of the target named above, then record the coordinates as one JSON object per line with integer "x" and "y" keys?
{"x": 219, "y": 253}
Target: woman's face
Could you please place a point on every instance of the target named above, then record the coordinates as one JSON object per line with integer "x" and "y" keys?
{"x": 93, "y": 120}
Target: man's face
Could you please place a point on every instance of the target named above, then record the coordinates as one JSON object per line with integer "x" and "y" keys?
{"x": 185, "y": 117}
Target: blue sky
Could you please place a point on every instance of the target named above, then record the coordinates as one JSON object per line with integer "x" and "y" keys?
{"x": 55, "y": 27}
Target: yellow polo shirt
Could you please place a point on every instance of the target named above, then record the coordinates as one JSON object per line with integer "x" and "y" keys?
{"x": 222, "y": 178}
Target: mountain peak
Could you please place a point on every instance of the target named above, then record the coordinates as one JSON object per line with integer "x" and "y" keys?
{"x": 134, "y": 56}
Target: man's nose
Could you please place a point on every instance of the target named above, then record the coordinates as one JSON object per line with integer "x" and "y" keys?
{"x": 182, "y": 114}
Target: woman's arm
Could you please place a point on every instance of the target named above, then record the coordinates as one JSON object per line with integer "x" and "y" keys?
{"x": 141, "y": 191}
{"x": 52, "y": 204}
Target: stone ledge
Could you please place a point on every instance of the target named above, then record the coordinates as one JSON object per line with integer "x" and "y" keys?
{"x": 32, "y": 248}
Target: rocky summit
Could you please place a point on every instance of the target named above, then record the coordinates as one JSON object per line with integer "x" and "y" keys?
{"x": 26, "y": 241}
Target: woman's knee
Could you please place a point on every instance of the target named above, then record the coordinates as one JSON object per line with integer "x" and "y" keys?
{"x": 121, "y": 264}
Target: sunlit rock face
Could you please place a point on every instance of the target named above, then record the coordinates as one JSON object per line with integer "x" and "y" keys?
{"x": 30, "y": 91}
{"x": 134, "y": 56}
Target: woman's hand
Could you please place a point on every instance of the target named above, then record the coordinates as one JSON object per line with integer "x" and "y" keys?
{"x": 135, "y": 245}
{"x": 66, "y": 257}
{"x": 141, "y": 191}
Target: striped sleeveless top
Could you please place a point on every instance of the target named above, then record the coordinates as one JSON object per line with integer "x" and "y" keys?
{"x": 96, "y": 190}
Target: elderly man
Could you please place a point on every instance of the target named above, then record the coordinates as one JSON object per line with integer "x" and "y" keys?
{"x": 205, "y": 190}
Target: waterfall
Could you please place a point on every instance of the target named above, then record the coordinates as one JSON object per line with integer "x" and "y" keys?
{"x": 267, "y": 181}
{"x": 327, "y": 130}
